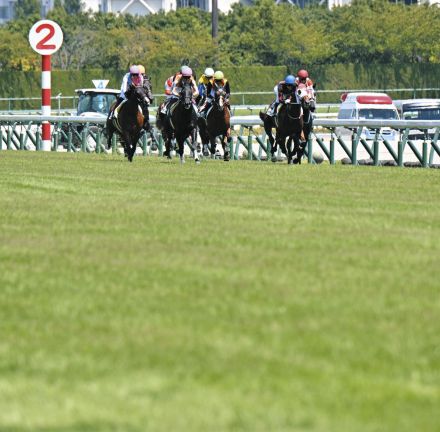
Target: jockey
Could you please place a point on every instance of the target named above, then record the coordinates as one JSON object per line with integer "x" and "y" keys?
{"x": 302, "y": 77}
{"x": 218, "y": 82}
{"x": 186, "y": 74}
{"x": 133, "y": 76}
{"x": 146, "y": 83}
{"x": 283, "y": 90}
{"x": 205, "y": 79}
{"x": 169, "y": 84}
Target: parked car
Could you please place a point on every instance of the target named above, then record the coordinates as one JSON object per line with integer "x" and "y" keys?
{"x": 92, "y": 102}
{"x": 95, "y": 102}
{"x": 369, "y": 106}
{"x": 419, "y": 109}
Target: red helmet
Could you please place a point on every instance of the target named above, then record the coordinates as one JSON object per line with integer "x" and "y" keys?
{"x": 302, "y": 73}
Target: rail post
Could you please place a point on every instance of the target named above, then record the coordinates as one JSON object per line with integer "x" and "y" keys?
{"x": 332, "y": 148}
{"x": 69, "y": 141}
{"x": 425, "y": 154}
{"x": 354, "y": 143}
{"x": 8, "y": 138}
{"x": 21, "y": 140}
{"x": 38, "y": 140}
{"x": 400, "y": 153}
{"x": 310, "y": 150}
{"x": 249, "y": 145}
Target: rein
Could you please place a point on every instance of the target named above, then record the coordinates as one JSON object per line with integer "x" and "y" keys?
{"x": 294, "y": 118}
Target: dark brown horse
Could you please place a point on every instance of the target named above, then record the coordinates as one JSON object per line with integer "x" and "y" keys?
{"x": 288, "y": 122}
{"x": 217, "y": 124}
{"x": 181, "y": 123}
{"x": 128, "y": 120}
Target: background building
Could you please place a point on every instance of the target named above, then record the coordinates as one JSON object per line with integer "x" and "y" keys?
{"x": 145, "y": 7}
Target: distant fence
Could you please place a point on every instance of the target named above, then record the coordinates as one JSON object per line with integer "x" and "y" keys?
{"x": 62, "y": 103}
{"x": 416, "y": 142}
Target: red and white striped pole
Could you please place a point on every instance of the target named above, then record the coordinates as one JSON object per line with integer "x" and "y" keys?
{"x": 45, "y": 37}
{"x": 45, "y": 101}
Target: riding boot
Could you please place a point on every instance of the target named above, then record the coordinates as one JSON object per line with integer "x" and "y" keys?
{"x": 272, "y": 109}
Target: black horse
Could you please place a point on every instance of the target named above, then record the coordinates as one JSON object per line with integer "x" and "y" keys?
{"x": 180, "y": 123}
{"x": 217, "y": 123}
{"x": 288, "y": 122}
{"x": 128, "y": 120}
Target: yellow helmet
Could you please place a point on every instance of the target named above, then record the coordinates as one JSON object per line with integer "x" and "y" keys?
{"x": 219, "y": 75}
{"x": 141, "y": 69}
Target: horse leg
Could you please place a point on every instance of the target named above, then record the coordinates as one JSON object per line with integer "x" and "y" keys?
{"x": 212, "y": 140}
{"x": 110, "y": 132}
{"x": 281, "y": 141}
{"x": 267, "y": 124}
{"x": 134, "y": 142}
{"x": 196, "y": 146}
{"x": 167, "y": 141}
{"x": 180, "y": 148}
{"x": 203, "y": 136}
{"x": 227, "y": 148}
{"x": 298, "y": 149}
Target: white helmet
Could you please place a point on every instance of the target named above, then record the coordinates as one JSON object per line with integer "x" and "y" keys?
{"x": 209, "y": 72}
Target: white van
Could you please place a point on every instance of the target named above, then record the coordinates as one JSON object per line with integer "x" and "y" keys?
{"x": 369, "y": 106}
{"x": 419, "y": 109}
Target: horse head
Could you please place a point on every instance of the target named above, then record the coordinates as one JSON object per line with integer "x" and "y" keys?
{"x": 139, "y": 94}
{"x": 219, "y": 98}
{"x": 306, "y": 96}
{"x": 186, "y": 95}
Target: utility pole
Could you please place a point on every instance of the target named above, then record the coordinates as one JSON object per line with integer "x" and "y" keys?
{"x": 214, "y": 20}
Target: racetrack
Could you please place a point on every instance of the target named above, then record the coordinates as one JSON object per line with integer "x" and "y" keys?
{"x": 234, "y": 296}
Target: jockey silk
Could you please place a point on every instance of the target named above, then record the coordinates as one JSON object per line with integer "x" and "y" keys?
{"x": 137, "y": 80}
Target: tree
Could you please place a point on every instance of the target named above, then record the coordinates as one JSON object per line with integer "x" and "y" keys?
{"x": 72, "y": 6}
{"x": 26, "y": 8}
{"x": 16, "y": 53}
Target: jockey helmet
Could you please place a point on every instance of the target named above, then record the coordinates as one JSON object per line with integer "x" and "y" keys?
{"x": 302, "y": 74}
{"x": 290, "y": 79}
{"x": 186, "y": 71}
{"x": 141, "y": 69}
{"x": 134, "y": 70}
{"x": 218, "y": 76}
{"x": 209, "y": 72}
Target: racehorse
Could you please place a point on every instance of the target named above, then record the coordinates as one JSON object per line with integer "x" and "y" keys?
{"x": 128, "y": 120}
{"x": 217, "y": 123}
{"x": 181, "y": 123}
{"x": 288, "y": 122}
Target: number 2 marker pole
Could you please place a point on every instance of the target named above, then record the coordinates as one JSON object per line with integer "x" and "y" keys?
{"x": 45, "y": 100}
{"x": 45, "y": 38}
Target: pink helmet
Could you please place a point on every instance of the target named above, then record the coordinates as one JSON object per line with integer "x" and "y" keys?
{"x": 186, "y": 71}
{"x": 134, "y": 70}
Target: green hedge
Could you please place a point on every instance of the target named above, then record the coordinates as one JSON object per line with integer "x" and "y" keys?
{"x": 254, "y": 78}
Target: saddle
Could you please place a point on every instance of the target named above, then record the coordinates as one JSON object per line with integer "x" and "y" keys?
{"x": 115, "y": 115}
{"x": 118, "y": 108}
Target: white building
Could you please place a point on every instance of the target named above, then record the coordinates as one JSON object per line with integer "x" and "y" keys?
{"x": 146, "y": 7}
{"x": 6, "y": 10}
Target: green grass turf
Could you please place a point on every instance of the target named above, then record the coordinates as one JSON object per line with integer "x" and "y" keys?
{"x": 240, "y": 296}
